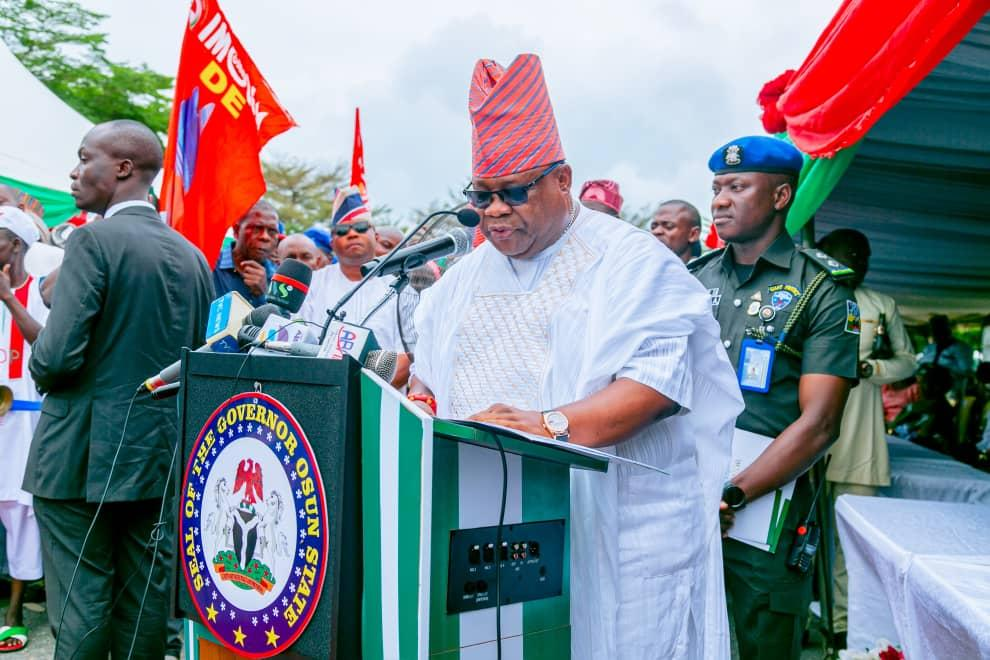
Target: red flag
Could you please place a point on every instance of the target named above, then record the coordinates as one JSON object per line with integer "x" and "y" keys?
{"x": 713, "y": 241}
{"x": 224, "y": 113}
{"x": 357, "y": 160}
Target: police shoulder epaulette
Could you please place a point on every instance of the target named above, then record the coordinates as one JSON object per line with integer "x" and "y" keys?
{"x": 836, "y": 270}
{"x": 695, "y": 264}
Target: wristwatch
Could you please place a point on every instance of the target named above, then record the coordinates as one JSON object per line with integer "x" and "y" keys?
{"x": 865, "y": 369}
{"x": 734, "y": 496}
{"x": 556, "y": 423}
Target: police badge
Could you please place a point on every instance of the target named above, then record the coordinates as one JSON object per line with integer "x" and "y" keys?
{"x": 733, "y": 155}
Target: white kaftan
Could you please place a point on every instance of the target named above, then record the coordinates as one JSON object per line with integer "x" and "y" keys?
{"x": 330, "y": 284}
{"x": 606, "y": 301}
{"x": 17, "y": 427}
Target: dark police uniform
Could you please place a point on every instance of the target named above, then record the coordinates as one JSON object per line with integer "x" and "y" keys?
{"x": 755, "y": 305}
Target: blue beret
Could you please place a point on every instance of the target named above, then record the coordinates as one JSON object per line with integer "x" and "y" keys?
{"x": 757, "y": 153}
{"x": 320, "y": 236}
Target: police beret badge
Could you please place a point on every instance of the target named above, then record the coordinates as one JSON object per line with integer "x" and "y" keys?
{"x": 733, "y": 155}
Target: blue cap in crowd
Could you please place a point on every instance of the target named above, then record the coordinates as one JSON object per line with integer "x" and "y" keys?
{"x": 757, "y": 153}
{"x": 322, "y": 238}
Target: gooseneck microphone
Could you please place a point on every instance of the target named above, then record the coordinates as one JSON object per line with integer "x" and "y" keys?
{"x": 454, "y": 243}
{"x": 466, "y": 216}
{"x": 289, "y": 285}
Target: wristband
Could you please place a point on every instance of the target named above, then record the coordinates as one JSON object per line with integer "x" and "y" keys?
{"x": 425, "y": 398}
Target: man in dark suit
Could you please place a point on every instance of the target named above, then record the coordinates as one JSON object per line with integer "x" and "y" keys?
{"x": 131, "y": 293}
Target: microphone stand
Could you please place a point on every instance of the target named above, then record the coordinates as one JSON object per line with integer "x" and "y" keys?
{"x": 332, "y": 313}
{"x": 394, "y": 289}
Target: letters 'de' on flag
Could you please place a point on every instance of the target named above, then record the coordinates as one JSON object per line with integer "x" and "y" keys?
{"x": 224, "y": 113}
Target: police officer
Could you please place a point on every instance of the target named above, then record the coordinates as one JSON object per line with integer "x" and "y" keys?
{"x": 791, "y": 329}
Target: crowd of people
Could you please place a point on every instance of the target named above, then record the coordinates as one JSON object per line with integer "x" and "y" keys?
{"x": 563, "y": 321}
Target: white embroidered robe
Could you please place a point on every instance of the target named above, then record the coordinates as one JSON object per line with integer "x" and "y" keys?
{"x": 606, "y": 301}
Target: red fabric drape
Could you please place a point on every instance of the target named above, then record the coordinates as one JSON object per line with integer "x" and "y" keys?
{"x": 868, "y": 58}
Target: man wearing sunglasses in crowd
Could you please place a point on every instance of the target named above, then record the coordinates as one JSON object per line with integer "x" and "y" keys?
{"x": 354, "y": 243}
{"x": 569, "y": 323}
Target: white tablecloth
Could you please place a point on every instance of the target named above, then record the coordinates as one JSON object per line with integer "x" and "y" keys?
{"x": 922, "y": 474}
{"x": 919, "y": 575}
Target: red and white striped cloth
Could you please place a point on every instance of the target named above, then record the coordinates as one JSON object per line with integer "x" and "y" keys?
{"x": 513, "y": 125}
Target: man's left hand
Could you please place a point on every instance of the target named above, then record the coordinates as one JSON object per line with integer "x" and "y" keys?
{"x": 528, "y": 421}
{"x": 726, "y": 518}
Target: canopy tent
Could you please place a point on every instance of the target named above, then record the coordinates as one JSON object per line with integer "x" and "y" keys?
{"x": 919, "y": 188}
{"x": 41, "y": 136}
{"x": 899, "y": 75}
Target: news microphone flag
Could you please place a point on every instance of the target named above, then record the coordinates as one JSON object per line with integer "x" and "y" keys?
{"x": 289, "y": 285}
{"x": 224, "y": 112}
{"x": 357, "y": 159}
{"x": 227, "y": 314}
{"x": 226, "y": 317}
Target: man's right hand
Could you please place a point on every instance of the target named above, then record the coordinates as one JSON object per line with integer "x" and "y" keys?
{"x": 6, "y": 291}
{"x": 254, "y": 275}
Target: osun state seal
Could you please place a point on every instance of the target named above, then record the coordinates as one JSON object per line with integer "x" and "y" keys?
{"x": 253, "y": 526}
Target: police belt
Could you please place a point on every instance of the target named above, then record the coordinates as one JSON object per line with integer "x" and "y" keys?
{"x": 29, "y": 406}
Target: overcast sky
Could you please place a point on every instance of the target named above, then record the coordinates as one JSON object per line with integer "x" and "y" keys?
{"x": 643, "y": 90}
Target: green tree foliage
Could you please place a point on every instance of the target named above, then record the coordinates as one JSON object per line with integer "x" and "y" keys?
{"x": 302, "y": 192}
{"x": 60, "y": 43}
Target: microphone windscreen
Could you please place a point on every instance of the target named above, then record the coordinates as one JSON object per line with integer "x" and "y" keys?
{"x": 383, "y": 363}
{"x": 462, "y": 241}
{"x": 468, "y": 217}
{"x": 289, "y": 285}
{"x": 248, "y": 334}
{"x": 260, "y": 314}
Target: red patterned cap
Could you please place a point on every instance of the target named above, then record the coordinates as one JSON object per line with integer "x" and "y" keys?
{"x": 604, "y": 191}
{"x": 513, "y": 127}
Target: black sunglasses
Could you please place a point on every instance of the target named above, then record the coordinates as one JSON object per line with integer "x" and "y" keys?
{"x": 344, "y": 229}
{"x": 513, "y": 196}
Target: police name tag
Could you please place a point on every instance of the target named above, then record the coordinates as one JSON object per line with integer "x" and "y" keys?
{"x": 755, "y": 365}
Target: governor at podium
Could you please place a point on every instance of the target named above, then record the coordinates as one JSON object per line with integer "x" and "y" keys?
{"x": 569, "y": 323}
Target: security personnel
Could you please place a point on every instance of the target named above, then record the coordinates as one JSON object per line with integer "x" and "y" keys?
{"x": 791, "y": 329}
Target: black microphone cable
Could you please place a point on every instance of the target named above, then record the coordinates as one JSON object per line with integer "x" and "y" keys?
{"x": 92, "y": 524}
{"x": 157, "y": 535}
{"x": 498, "y": 550}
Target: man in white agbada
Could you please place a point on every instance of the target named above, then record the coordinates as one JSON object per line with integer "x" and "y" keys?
{"x": 569, "y": 310}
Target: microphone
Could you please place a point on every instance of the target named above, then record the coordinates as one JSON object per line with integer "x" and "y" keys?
{"x": 348, "y": 339}
{"x": 456, "y": 242}
{"x": 226, "y": 333}
{"x": 166, "y": 391}
{"x": 289, "y": 285}
{"x": 466, "y": 216}
{"x": 382, "y": 362}
{"x": 297, "y": 348}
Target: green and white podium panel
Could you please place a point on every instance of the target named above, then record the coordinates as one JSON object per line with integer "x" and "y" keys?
{"x": 431, "y": 497}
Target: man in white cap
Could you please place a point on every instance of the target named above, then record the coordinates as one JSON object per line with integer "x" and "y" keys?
{"x": 22, "y": 315}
